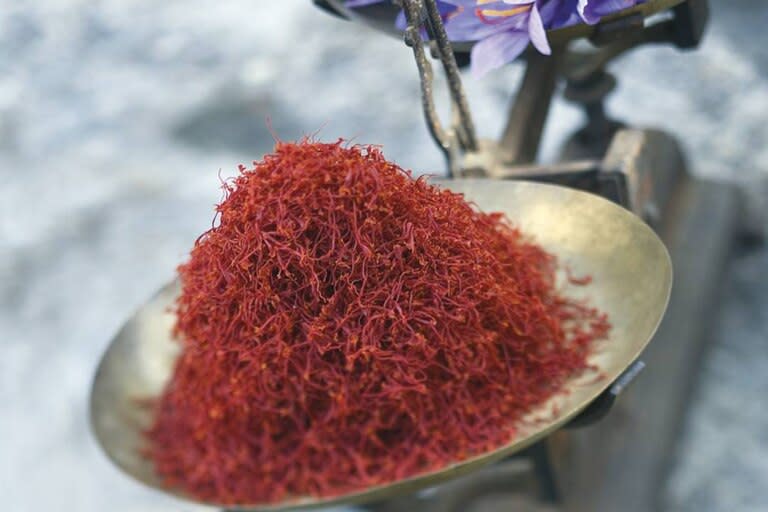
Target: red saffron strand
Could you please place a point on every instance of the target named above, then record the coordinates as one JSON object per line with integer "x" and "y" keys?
{"x": 346, "y": 325}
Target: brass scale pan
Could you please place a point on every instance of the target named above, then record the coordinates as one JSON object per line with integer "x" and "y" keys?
{"x": 632, "y": 277}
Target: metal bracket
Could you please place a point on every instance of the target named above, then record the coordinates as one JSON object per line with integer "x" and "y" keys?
{"x": 327, "y": 7}
{"x": 690, "y": 22}
{"x": 600, "y": 407}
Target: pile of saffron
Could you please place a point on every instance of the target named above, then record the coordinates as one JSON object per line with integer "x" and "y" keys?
{"x": 346, "y": 325}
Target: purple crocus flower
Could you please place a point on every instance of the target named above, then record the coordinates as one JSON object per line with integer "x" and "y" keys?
{"x": 503, "y": 29}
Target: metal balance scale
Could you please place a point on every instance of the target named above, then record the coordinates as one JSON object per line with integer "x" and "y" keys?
{"x": 587, "y": 210}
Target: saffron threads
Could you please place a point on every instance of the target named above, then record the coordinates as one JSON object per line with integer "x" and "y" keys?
{"x": 346, "y": 325}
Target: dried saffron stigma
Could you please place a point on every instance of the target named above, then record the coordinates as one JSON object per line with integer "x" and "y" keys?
{"x": 346, "y": 325}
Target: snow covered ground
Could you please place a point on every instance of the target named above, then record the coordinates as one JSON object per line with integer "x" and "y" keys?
{"x": 117, "y": 116}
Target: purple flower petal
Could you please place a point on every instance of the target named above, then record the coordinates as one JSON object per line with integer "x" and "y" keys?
{"x": 586, "y": 12}
{"x": 361, "y": 3}
{"x": 518, "y": 2}
{"x": 503, "y": 28}
{"x": 465, "y": 25}
{"x": 401, "y": 23}
{"x": 560, "y": 13}
{"x": 495, "y": 51}
{"x": 592, "y": 10}
{"x": 537, "y": 32}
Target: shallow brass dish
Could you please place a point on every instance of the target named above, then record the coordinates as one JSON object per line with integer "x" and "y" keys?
{"x": 632, "y": 277}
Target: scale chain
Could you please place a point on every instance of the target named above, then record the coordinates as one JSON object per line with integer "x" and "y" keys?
{"x": 461, "y": 135}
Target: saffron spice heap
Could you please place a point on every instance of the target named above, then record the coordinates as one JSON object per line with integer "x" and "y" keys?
{"x": 345, "y": 325}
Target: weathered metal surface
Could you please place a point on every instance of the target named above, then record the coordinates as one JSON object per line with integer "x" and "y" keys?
{"x": 622, "y": 462}
{"x": 653, "y": 166}
{"x": 460, "y": 135}
{"x": 529, "y": 111}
